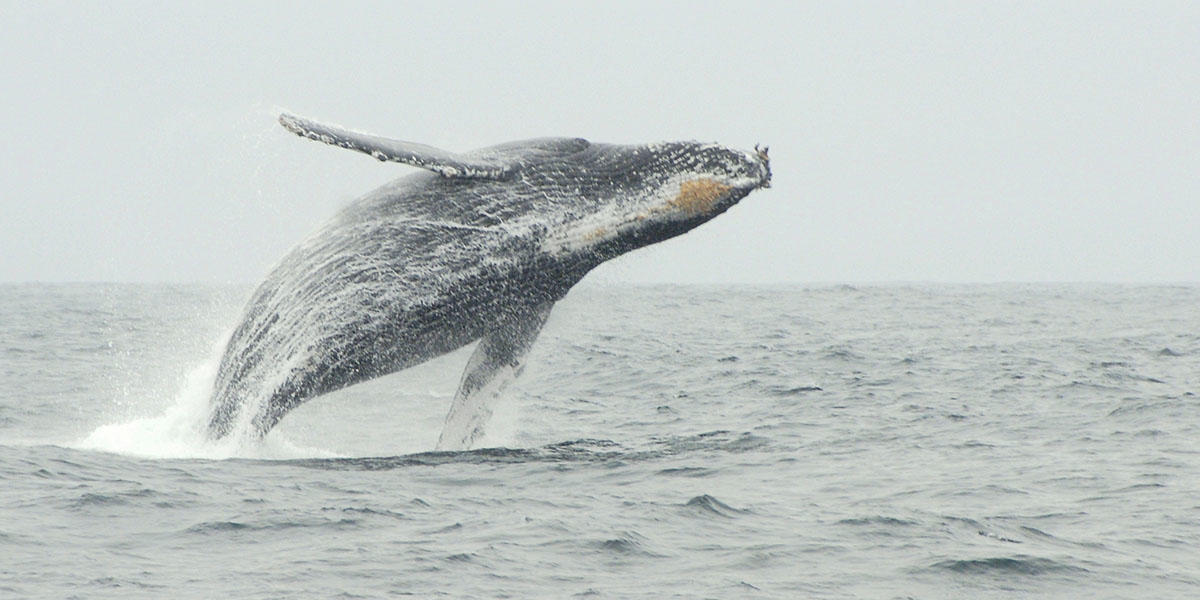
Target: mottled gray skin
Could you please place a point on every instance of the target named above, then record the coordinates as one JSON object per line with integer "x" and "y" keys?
{"x": 480, "y": 248}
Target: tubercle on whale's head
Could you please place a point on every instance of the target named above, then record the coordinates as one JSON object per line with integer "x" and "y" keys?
{"x": 761, "y": 152}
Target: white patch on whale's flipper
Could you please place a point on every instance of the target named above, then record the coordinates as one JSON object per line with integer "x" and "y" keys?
{"x": 446, "y": 164}
{"x": 495, "y": 363}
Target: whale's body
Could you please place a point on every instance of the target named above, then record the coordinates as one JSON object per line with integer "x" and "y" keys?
{"x": 478, "y": 249}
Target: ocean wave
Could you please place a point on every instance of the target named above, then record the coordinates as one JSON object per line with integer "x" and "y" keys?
{"x": 879, "y": 520}
{"x": 576, "y": 451}
{"x": 1006, "y": 565}
{"x": 628, "y": 543}
{"x": 211, "y": 527}
{"x": 709, "y": 505}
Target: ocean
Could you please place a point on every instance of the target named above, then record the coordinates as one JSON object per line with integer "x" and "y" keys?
{"x": 837, "y": 441}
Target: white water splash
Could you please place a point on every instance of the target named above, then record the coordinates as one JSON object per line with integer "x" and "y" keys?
{"x": 180, "y": 432}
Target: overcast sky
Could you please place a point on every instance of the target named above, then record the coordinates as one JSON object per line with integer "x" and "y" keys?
{"x": 956, "y": 141}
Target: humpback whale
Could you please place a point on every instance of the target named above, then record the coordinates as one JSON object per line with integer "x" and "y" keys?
{"x": 478, "y": 246}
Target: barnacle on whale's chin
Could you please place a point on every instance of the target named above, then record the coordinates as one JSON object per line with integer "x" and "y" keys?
{"x": 698, "y": 196}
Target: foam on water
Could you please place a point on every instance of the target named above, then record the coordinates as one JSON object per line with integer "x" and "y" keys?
{"x": 181, "y": 431}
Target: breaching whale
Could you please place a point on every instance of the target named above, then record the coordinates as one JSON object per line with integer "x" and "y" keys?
{"x": 480, "y": 247}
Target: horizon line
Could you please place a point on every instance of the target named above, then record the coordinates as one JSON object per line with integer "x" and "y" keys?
{"x": 637, "y": 283}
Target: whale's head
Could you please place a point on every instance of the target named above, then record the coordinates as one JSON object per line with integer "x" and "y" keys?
{"x": 634, "y": 196}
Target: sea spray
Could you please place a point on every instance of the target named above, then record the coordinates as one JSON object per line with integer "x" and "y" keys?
{"x": 180, "y": 432}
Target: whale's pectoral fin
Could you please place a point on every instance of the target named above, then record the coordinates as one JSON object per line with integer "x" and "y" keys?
{"x": 495, "y": 363}
{"x": 446, "y": 164}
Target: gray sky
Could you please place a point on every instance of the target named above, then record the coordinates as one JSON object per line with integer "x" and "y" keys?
{"x": 939, "y": 142}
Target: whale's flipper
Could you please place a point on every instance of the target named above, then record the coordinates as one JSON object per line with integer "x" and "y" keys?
{"x": 495, "y": 363}
{"x": 446, "y": 164}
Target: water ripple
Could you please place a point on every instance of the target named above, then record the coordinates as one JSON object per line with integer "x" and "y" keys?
{"x": 1007, "y": 565}
{"x": 709, "y": 505}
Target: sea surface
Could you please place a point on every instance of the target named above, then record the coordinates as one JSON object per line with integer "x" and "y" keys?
{"x": 894, "y": 441}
